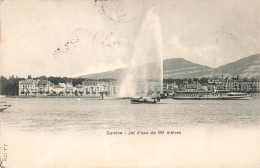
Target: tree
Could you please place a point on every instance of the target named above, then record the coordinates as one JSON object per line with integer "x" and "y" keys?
{"x": 9, "y": 86}
{"x": 42, "y": 78}
{"x": 203, "y": 80}
{"x": 245, "y": 79}
{"x": 61, "y": 93}
{"x": 76, "y": 93}
{"x": 77, "y": 81}
{"x": 195, "y": 79}
{"x": 67, "y": 92}
{"x": 41, "y": 92}
{"x": 190, "y": 80}
{"x": 81, "y": 93}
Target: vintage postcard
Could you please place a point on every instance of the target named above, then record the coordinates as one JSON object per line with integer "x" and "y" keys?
{"x": 130, "y": 83}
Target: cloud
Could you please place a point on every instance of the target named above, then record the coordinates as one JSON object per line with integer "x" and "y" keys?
{"x": 93, "y": 52}
{"x": 108, "y": 39}
{"x": 101, "y": 67}
{"x": 210, "y": 54}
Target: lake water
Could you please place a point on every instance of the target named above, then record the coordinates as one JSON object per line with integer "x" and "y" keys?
{"x": 65, "y": 132}
{"x": 63, "y": 114}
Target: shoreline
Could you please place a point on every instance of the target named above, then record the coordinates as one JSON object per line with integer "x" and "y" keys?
{"x": 58, "y": 97}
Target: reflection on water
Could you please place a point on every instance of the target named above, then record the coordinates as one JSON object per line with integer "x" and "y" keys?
{"x": 59, "y": 114}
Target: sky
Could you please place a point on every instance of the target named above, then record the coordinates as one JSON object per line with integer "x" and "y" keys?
{"x": 72, "y": 38}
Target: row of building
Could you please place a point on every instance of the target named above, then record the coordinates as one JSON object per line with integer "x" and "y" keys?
{"x": 31, "y": 87}
{"x": 233, "y": 84}
{"x": 36, "y": 87}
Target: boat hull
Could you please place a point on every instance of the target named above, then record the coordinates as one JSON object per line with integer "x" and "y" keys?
{"x": 215, "y": 98}
{"x": 142, "y": 102}
{"x": 3, "y": 108}
{"x": 223, "y": 98}
{"x": 4, "y": 105}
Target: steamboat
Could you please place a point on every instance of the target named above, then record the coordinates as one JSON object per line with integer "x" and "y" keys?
{"x": 208, "y": 95}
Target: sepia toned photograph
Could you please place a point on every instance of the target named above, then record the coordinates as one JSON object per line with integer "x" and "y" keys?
{"x": 129, "y": 83}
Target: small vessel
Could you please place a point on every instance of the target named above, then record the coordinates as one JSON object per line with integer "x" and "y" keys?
{"x": 3, "y": 104}
{"x": 145, "y": 100}
{"x": 2, "y": 108}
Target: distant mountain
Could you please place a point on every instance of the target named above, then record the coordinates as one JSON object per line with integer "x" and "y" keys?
{"x": 181, "y": 68}
{"x": 246, "y": 67}
{"x": 115, "y": 74}
{"x": 172, "y": 68}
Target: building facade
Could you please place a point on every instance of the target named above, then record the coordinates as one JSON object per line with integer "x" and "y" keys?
{"x": 31, "y": 87}
{"x": 95, "y": 88}
{"x": 221, "y": 84}
{"x": 34, "y": 87}
{"x": 28, "y": 87}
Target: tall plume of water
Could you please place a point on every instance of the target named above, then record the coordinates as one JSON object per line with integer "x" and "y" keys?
{"x": 145, "y": 73}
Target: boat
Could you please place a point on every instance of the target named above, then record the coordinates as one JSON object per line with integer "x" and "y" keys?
{"x": 145, "y": 100}
{"x": 209, "y": 95}
{"x": 4, "y": 106}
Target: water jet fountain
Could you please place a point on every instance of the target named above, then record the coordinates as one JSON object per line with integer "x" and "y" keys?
{"x": 144, "y": 76}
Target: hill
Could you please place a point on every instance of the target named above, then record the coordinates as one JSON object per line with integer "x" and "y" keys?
{"x": 172, "y": 68}
{"x": 247, "y": 67}
{"x": 181, "y": 68}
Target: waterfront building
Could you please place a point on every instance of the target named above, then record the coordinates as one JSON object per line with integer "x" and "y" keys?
{"x": 62, "y": 84}
{"x": 78, "y": 90}
{"x": 171, "y": 86}
{"x": 36, "y": 87}
{"x": 256, "y": 86}
{"x": 113, "y": 88}
{"x": 45, "y": 87}
{"x": 69, "y": 89}
{"x": 234, "y": 84}
{"x": 58, "y": 90}
{"x": 218, "y": 83}
{"x": 190, "y": 86}
{"x": 244, "y": 86}
{"x": 28, "y": 87}
{"x": 221, "y": 84}
{"x": 95, "y": 88}
{"x": 89, "y": 87}
{"x": 32, "y": 87}
{"x": 102, "y": 87}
